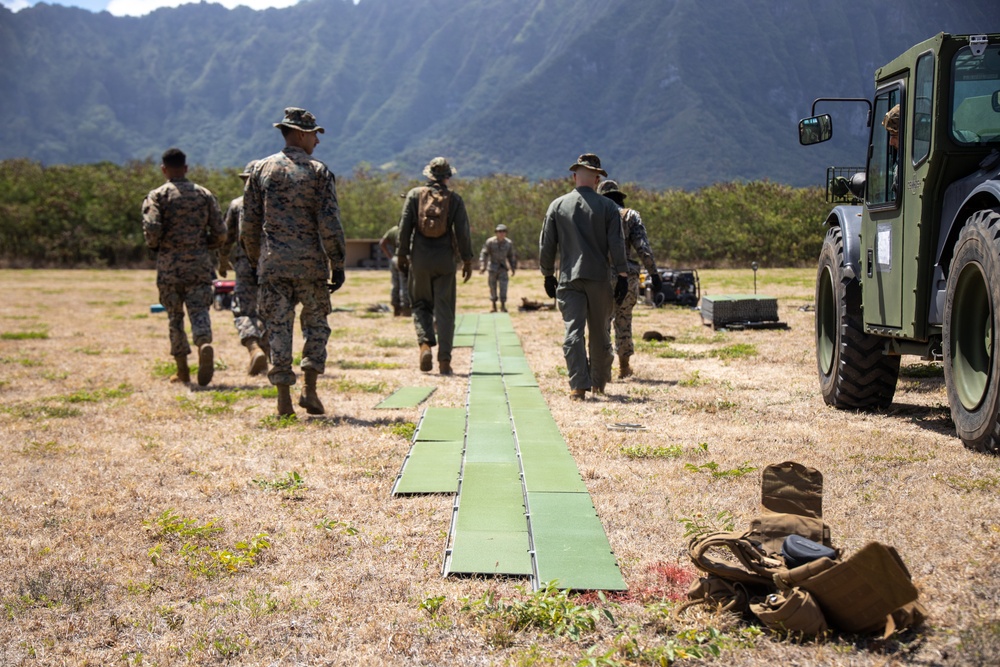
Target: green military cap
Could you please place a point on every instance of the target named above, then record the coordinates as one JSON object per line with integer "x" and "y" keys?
{"x": 438, "y": 169}
{"x": 501, "y": 228}
{"x": 299, "y": 119}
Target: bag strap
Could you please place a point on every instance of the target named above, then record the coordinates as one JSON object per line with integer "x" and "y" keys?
{"x": 757, "y": 568}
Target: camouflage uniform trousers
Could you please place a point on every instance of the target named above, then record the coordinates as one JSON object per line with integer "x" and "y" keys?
{"x": 400, "y": 295}
{"x": 278, "y": 298}
{"x": 498, "y": 279}
{"x": 587, "y": 304}
{"x": 245, "y": 316}
{"x": 623, "y": 318}
{"x": 198, "y": 298}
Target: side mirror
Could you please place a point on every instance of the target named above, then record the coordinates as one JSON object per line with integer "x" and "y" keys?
{"x": 995, "y": 100}
{"x": 815, "y": 130}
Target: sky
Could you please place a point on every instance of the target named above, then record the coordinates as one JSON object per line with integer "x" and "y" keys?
{"x": 141, "y": 7}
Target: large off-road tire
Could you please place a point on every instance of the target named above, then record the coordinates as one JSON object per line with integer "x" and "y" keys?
{"x": 854, "y": 373}
{"x": 971, "y": 362}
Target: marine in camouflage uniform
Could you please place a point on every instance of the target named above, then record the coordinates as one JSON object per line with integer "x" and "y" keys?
{"x": 497, "y": 257}
{"x": 431, "y": 265}
{"x": 399, "y": 294}
{"x": 291, "y": 232}
{"x": 635, "y": 239}
{"x": 181, "y": 220}
{"x": 248, "y": 324}
{"x": 585, "y": 230}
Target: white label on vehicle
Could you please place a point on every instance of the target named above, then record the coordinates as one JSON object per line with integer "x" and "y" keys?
{"x": 883, "y": 247}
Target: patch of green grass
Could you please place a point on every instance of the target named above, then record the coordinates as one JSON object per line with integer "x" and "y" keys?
{"x": 693, "y": 379}
{"x": 164, "y": 369}
{"x": 922, "y": 371}
{"x": 404, "y": 430}
{"x": 95, "y": 396}
{"x": 278, "y": 421}
{"x": 735, "y": 351}
{"x": 24, "y": 335}
{"x": 291, "y": 484}
{"x": 652, "y": 451}
{"x": 970, "y": 484}
{"x": 231, "y": 396}
{"x": 335, "y": 526}
{"x": 48, "y": 448}
{"x": 700, "y": 524}
{"x": 53, "y": 376}
{"x": 347, "y": 364}
{"x": 391, "y": 342}
{"x": 187, "y": 403}
{"x": 547, "y": 610}
{"x": 717, "y": 472}
{"x": 347, "y": 386}
{"x": 41, "y": 411}
{"x": 339, "y": 332}
{"x": 668, "y": 351}
{"x": 170, "y": 524}
{"x": 710, "y": 407}
{"x": 92, "y": 350}
{"x": 27, "y": 362}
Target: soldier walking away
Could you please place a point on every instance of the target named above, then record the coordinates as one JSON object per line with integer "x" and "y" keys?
{"x": 292, "y": 233}
{"x": 498, "y": 257}
{"x": 248, "y": 324}
{"x": 400, "y": 293}
{"x": 181, "y": 220}
{"x": 635, "y": 239}
{"x": 433, "y": 230}
{"x": 585, "y": 230}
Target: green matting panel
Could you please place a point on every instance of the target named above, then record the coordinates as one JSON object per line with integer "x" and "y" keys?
{"x": 445, "y": 424}
{"x": 430, "y": 467}
{"x": 570, "y": 546}
{"x": 406, "y": 397}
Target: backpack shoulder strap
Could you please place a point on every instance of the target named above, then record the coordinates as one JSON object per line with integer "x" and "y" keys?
{"x": 756, "y": 567}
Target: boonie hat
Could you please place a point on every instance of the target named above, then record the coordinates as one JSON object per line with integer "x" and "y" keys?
{"x": 610, "y": 190}
{"x": 501, "y": 228}
{"x": 247, "y": 169}
{"x": 891, "y": 120}
{"x": 299, "y": 119}
{"x": 589, "y": 161}
{"x": 438, "y": 169}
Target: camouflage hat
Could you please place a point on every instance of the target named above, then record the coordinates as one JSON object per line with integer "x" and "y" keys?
{"x": 610, "y": 190}
{"x": 299, "y": 119}
{"x": 438, "y": 169}
{"x": 589, "y": 161}
{"x": 891, "y": 120}
{"x": 247, "y": 169}
{"x": 501, "y": 228}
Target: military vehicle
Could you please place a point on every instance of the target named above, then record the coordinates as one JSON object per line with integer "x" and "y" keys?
{"x": 911, "y": 261}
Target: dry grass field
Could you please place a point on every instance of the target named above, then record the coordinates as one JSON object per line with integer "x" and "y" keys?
{"x": 146, "y": 523}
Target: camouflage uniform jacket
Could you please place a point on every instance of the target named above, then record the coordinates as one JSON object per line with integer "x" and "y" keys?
{"x": 232, "y": 248}
{"x": 585, "y": 229}
{"x": 391, "y": 236}
{"x": 291, "y": 220}
{"x": 182, "y": 221}
{"x": 497, "y": 254}
{"x": 635, "y": 237}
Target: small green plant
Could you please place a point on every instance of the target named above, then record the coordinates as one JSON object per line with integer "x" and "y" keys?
{"x": 187, "y": 403}
{"x": 292, "y": 484}
{"x": 347, "y": 364}
{"x": 735, "y": 351}
{"x": 41, "y": 411}
{"x": 717, "y": 472}
{"x": 710, "y": 407}
{"x": 652, "y": 451}
{"x": 347, "y": 386}
{"x": 170, "y": 524}
{"x": 231, "y": 396}
{"x": 95, "y": 396}
{"x": 668, "y": 351}
{"x": 404, "y": 430}
{"x": 693, "y": 379}
{"x": 24, "y": 335}
{"x": 164, "y": 369}
{"x": 968, "y": 485}
{"x": 700, "y": 524}
{"x": 333, "y": 525}
{"x": 922, "y": 371}
{"x": 432, "y": 605}
{"x": 27, "y": 362}
{"x": 278, "y": 421}
{"x": 391, "y": 342}
{"x": 547, "y": 610}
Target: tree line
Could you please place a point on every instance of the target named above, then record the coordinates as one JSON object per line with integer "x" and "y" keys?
{"x": 74, "y": 216}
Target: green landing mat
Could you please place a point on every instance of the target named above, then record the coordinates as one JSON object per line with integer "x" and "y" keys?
{"x": 406, "y": 397}
{"x": 444, "y": 424}
{"x": 569, "y": 543}
{"x": 430, "y": 467}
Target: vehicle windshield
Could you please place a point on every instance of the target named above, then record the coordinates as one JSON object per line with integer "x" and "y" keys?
{"x": 975, "y": 110}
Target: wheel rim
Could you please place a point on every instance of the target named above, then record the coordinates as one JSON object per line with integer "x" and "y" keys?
{"x": 826, "y": 322}
{"x": 971, "y": 336}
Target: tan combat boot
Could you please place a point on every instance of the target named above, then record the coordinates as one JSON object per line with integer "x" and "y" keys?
{"x": 285, "y": 408}
{"x": 309, "y": 399}
{"x": 578, "y": 395}
{"x": 206, "y": 364}
{"x": 426, "y": 359}
{"x": 624, "y": 370}
{"x": 258, "y": 360}
{"x": 183, "y": 373}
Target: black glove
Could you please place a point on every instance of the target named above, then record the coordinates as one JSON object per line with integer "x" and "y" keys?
{"x": 621, "y": 289}
{"x": 550, "y": 286}
{"x": 337, "y": 279}
{"x": 656, "y": 281}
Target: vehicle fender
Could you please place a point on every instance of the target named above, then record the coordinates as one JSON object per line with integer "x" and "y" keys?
{"x": 962, "y": 198}
{"x": 848, "y": 218}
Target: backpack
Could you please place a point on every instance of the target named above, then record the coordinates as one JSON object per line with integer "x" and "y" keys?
{"x": 432, "y": 212}
{"x": 753, "y": 572}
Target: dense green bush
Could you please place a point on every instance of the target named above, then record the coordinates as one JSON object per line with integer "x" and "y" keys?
{"x": 89, "y": 215}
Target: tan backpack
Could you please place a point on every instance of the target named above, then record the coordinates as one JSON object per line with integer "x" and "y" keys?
{"x": 432, "y": 212}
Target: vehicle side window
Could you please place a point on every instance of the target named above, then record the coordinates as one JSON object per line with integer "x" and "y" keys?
{"x": 883, "y": 166}
{"x": 923, "y": 107}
